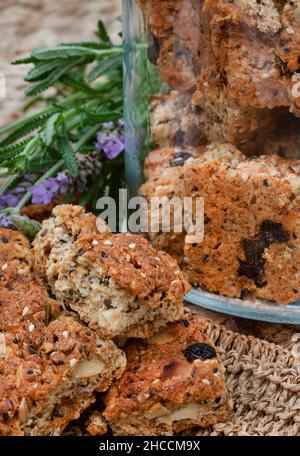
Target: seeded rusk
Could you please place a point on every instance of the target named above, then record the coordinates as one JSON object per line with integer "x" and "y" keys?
{"x": 252, "y": 231}
{"x": 51, "y": 363}
{"x": 68, "y": 223}
{"x": 120, "y": 285}
{"x": 181, "y": 120}
{"x": 173, "y": 381}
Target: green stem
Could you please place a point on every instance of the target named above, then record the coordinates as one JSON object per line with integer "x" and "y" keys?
{"x": 8, "y": 183}
{"x": 51, "y": 172}
{"x": 19, "y": 123}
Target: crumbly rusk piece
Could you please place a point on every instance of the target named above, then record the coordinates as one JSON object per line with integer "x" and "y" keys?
{"x": 173, "y": 381}
{"x": 283, "y": 141}
{"x": 96, "y": 424}
{"x": 251, "y": 237}
{"x": 68, "y": 223}
{"x": 15, "y": 250}
{"x": 253, "y": 71}
{"x": 119, "y": 285}
{"x": 224, "y": 120}
{"x": 50, "y": 363}
{"x": 164, "y": 170}
{"x": 175, "y": 122}
{"x": 262, "y": 16}
{"x": 288, "y": 47}
{"x": 179, "y": 120}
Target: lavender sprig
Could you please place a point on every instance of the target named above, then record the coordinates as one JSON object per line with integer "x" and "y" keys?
{"x": 110, "y": 144}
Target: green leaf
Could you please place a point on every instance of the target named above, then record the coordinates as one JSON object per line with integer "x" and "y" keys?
{"x": 102, "y": 67}
{"x": 68, "y": 154}
{"x": 89, "y": 44}
{"x": 24, "y": 61}
{"x": 40, "y": 70}
{"x": 48, "y": 132}
{"x": 103, "y": 116}
{"x": 61, "y": 52}
{"x": 75, "y": 84}
{"x": 52, "y": 78}
{"x": 102, "y": 33}
{"x": 29, "y": 125}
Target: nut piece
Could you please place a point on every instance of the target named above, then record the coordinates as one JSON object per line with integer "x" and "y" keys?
{"x": 89, "y": 368}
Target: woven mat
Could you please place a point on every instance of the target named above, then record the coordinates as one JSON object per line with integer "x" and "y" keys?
{"x": 264, "y": 381}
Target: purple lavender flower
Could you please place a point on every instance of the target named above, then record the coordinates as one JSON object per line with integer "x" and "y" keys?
{"x": 8, "y": 200}
{"x": 110, "y": 141}
{"x": 44, "y": 192}
{"x": 5, "y": 221}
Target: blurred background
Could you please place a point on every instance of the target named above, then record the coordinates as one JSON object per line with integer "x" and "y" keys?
{"x": 25, "y": 24}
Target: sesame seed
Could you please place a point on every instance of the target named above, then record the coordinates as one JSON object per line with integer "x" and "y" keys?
{"x": 177, "y": 272}
{"x": 132, "y": 245}
{"x": 205, "y": 381}
{"x": 107, "y": 242}
{"x": 290, "y": 30}
{"x": 127, "y": 258}
{"x": 5, "y": 266}
{"x": 25, "y": 311}
{"x": 65, "y": 334}
{"x": 73, "y": 361}
{"x": 95, "y": 242}
{"x": 31, "y": 328}
{"x": 155, "y": 381}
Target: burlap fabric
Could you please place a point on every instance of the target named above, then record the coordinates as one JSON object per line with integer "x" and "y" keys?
{"x": 264, "y": 381}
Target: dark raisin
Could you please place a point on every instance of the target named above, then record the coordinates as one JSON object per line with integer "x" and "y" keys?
{"x": 199, "y": 350}
{"x": 281, "y": 152}
{"x": 205, "y": 259}
{"x": 107, "y": 303}
{"x": 252, "y": 271}
{"x": 5, "y": 240}
{"x": 30, "y": 372}
{"x": 245, "y": 293}
{"x": 217, "y": 400}
{"x": 179, "y": 138}
{"x": 5, "y": 417}
{"x": 273, "y": 233}
{"x": 185, "y": 323}
{"x": 103, "y": 255}
{"x": 295, "y": 290}
{"x": 216, "y": 370}
{"x": 266, "y": 182}
{"x": 32, "y": 350}
{"x": 153, "y": 48}
{"x": 195, "y": 188}
{"x": 55, "y": 338}
{"x": 15, "y": 341}
{"x": 179, "y": 158}
{"x": 58, "y": 414}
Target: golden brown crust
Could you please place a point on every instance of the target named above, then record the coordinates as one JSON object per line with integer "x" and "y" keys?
{"x": 248, "y": 202}
{"x": 50, "y": 363}
{"x": 251, "y": 239}
{"x": 254, "y": 46}
{"x": 165, "y": 374}
{"x": 117, "y": 283}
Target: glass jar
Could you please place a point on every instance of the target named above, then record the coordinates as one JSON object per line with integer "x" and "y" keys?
{"x": 212, "y": 110}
